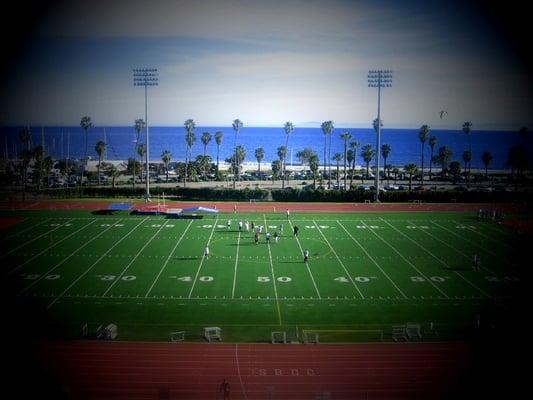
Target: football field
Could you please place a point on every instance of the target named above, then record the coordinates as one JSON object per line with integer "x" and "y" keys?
{"x": 366, "y": 273}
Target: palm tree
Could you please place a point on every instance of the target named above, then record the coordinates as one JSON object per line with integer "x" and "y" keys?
{"x": 350, "y": 157}
{"x": 467, "y": 129}
{"x": 85, "y": 124}
{"x": 368, "y": 153}
{"x": 467, "y": 157}
{"x": 410, "y": 169}
{"x": 337, "y": 157}
{"x": 237, "y": 159}
{"x": 354, "y": 145}
{"x": 25, "y": 156}
{"x": 345, "y": 137}
{"x": 455, "y": 170}
{"x": 423, "y": 136}
{"x": 100, "y": 150}
{"x": 486, "y": 157}
{"x": 375, "y": 124}
{"x": 38, "y": 155}
{"x": 314, "y": 163}
{"x": 432, "y": 142}
{"x": 304, "y": 156}
{"x": 282, "y": 153}
{"x": 203, "y": 163}
{"x": 206, "y": 138}
{"x": 139, "y": 125}
{"x": 219, "y": 135}
{"x": 25, "y": 137}
{"x": 190, "y": 138}
{"x": 113, "y": 172}
{"x": 237, "y": 126}
{"x": 385, "y": 152}
{"x": 443, "y": 158}
{"x": 259, "y": 155}
{"x": 327, "y": 128}
{"x": 517, "y": 159}
{"x": 141, "y": 151}
{"x": 166, "y": 156}
{"x": 276, "y": 168}
{"x": 48, "y": 163}
{"x": 288, "y": 128}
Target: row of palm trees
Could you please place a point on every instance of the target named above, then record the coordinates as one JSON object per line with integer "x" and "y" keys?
{"x": 307, "y": 156}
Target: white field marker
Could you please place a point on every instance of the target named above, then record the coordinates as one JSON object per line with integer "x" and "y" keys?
{"x": 96, "y": 262}
{"x": 340, "y": 262}
{"x": 202, "y": 261}
{"x": 168, "y": 259}
{"x": 372, "y": 259}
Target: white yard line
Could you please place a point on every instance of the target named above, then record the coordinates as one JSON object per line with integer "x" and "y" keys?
{"x": 485, "y": 236}
{"x": 32, "y": 240}
{"x": 340, "y": 261}
{"x": 273, "y": 275}
{"x": 70, "y": 255}
{"x": 48, "y": 248}
{"x": 471, "y": 242}
{"x": 222, "y": 300}
{"x": 306, "y": 264}
{"x": 372, "y": 258}
{"x": 168, "y": 259}
{"x": 27, "y": 229}
{"x": 475, "y": 244}
{"x": 118, "y": 278}
{"x": 409, "y": 262}
{"x": 445, "y": 263}
{"x": 203, "y": 258}
{"x": 235, "y": 268}
{"x": 96, "y": 262}
{"x": 239, "y": 371}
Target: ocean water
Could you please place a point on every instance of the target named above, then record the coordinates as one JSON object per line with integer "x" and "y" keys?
{"x": 405, "y": 146}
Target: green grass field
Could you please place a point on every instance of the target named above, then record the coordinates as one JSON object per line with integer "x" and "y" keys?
{"x": 366, "y": 273}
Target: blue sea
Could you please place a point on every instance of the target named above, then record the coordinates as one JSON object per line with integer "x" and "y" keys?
{"x": 405, "y": 146}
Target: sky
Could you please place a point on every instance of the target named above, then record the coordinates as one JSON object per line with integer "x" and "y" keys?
{"x": 267, "y": 62}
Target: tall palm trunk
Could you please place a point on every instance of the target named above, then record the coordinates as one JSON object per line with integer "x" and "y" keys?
{"x": 345, "y": 145}
{"x": 218, "y": 152}
{"x": 329, "y": 159}
{"x": 422, "y": 167}
{"x": 99, "y": 164}
{"x": 325, "y": 149}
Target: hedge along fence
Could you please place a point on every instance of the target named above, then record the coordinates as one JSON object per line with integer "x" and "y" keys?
{"x": 296, "y": 195}
{"x": 399, "y": 196}
{"x": 176, "y": 193}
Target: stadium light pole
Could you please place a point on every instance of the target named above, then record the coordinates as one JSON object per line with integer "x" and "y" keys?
{"x": 146, "y": 77}
{"x": 379, "y": 78}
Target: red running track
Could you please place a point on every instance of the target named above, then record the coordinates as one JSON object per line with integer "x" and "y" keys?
{"x": 265, "y": 206}
{"x": 135, "y": 371}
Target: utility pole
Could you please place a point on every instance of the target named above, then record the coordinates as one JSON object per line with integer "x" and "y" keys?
{"x": 379, "y": 78}
{"x": 146, "y": 77}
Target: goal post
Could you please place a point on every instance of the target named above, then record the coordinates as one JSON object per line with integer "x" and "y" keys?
{"x": 178, "y": 336}
{"x": 279, "y": 337}
{"x": 213, "y": 333}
